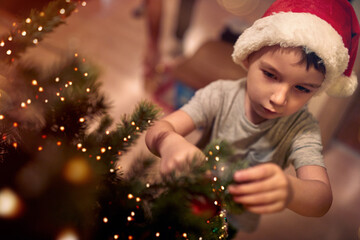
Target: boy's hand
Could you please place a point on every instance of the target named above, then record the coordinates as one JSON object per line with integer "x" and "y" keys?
{"x": 262, "y": 189}
{"x": 177, "y": 153}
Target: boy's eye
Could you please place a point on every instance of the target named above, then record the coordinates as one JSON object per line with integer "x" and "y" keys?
{"x": 268, "y": 74}
{"x": 302, "y": 89}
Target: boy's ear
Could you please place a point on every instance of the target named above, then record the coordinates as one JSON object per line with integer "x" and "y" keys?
{"x": 245, "y": 63}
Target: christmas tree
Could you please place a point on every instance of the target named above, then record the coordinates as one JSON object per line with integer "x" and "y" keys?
{"x": 61, "y": 156}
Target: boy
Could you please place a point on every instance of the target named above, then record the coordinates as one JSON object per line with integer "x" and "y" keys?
{"x": 298, "y": 49}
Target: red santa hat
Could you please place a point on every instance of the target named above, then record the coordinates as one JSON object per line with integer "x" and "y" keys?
{"x": 329, "y": 28}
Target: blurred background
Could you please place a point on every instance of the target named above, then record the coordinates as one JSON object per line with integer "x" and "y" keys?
{"x": 165, "y": 50}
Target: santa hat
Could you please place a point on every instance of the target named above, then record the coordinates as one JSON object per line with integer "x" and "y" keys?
{"x": 327, "y": 27}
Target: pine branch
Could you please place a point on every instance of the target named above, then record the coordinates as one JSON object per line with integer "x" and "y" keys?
{"x": 31, "y": 31}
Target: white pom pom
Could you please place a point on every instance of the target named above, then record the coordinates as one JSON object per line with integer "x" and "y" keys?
{"x": 343, "y": 86}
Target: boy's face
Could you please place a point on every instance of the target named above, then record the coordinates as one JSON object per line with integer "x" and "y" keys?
{"x": 277, "y": 84}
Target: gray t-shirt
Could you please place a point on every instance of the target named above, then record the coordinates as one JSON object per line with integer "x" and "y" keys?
{"x": 218, "y": 108}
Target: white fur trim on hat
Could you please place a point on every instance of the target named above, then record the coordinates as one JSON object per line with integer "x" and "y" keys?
{"x": 290, "y": 29}
{"x": 343, "y": 86}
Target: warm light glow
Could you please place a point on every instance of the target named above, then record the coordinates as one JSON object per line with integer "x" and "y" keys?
{"x": 10, "y": 204}
{"x": 57, "y": 79}
{"x": 2, "y": 43}
{"x": 23, "y": 33}
{"x": 130, "y": 237}
{"x": 23, "y": 104}
{"x": 138, "y": 199}
{"x": 40, "y": 148}
{"x": 102, "y": 150}
{"x": 62, "y": 128}
{"x": 58, "y": 143}
{"x": 98, "y": 158}
{"x": 82, "y": 120}
{"x": 184, "y": 235}
{"x": 67, "y": 234}
{"x": 28, "y": 20}
{"x": 77, "y": 171}
{"x": 1, "y": 117}
{"x": 15, "y": 144}
{"x": 130, "y": 196}
{"x": 62, "y": 11}
{"x": 34, "y": 82}
{"x": 8, "y": 52}
{"x": 157, "y": 234}
{"x": 86, "y": 74}
{"x": 116, "y": 236}
{"x": 105, "y": 220}
{"x": 40, "y": 28}
{"x": 88, "y": 90}
{"x": 41, "y": 89}
{"x": 83, "y": 4}
{"x": 15, "y": 124}
{"x": 35, "y": 41}
{"x": 10, "y": 38}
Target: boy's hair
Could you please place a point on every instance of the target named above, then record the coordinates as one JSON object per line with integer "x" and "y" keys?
{"x": 312, "y": 60}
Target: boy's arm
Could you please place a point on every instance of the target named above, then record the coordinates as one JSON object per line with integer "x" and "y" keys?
{"x": 266, "y": 188}
{"x": 166, "y": 140}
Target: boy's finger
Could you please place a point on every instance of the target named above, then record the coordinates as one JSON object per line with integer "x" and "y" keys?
{"x": 255, "y": 173}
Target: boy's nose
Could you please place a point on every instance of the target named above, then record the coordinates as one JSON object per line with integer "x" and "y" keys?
{"x": 279, "y": 96}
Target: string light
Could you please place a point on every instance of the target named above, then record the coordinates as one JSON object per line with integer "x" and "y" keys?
{"x": 2, "y": 117}
{"x": 23, "y": 33}
{"x": 28, "y": 20}
{"x": 116, "y": 236}
{"x": 2, "y": 43}
{"x": 62, "y": 11}
{"x": 35, "y": 41}
{"x": 8, "y": 52}
{"x": 40, "y": 28}
{"x": 105, "y": 220}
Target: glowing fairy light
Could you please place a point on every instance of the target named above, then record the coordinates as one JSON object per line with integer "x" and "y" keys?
{"x": 62, "y": 128}
{"x": 28, "y": 20}
{"x": 58, "y": 143}
{"x": 67, "y": 234}
{"x": 79, "y": 145}
{"x": 105, "y": 220}
{"x": 35, "y": 41}
{"x": 157, "y": 234}
{"x": 23, "y": 33}
{"x": 210, "y": 153}
{"x": 8, "y": 52}
{"x": 15, "y": 124}
{"x": 41, "y": 14}
{"x": 147, "y": 185}
{"x": 62, "y": 11}
{"x": 23, "y": 104}
{"x": 62, "y": 99}
{"x": 81, "y": 119}
{"x": 70, "y": 83}
{"x": 83, "y": 4}
{"x": 2, "y": 117}
{"x": 184, "y": 235}
{"x": 87, "y": 90}
{"x": 116, "y": 236}
{"x": 102, "y": 150}
{"x": 76, "y": 69}
{"x": 10, "y": 204}
{"x": 83, "y": 149}
{"x": 2, "y": 43}
{"x": 10, "y": 38}
{"x": 57, "y": 79}
{"x": 132, "y": 214}
{"x": 15, "y": 144}
{"x": 66, "y": 85}
{"x": 107, "y": 132}
{"x": 217, "y": 158}
{"x": 86, "y": 74}
{"x": 217, "y": 147}
{"x": 138, "y": 199}
{"x": 130, "y": 237}
{"x": 58, "y": 94}
{"x": 76, "y": 55}
{"x": 77, "y": 171}
{"x": 216, "y": 203}
{"x": 112, "y": 170}
{"x": 34, "y": 82}
{"x": 40, "y": 148}
{"x": 215, "y": 179}
{"x": 40, "y": 28}
{"x": 28, "y": 101}
{"x": 41, "y": 89}
{"x": 130, "y": 196}
{"x": 98, "y": 158}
